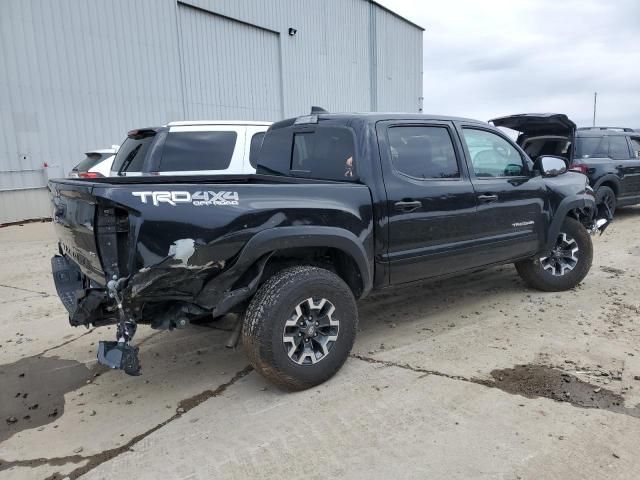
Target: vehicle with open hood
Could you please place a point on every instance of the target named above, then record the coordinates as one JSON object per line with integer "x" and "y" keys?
{"x": 609, "y": 156}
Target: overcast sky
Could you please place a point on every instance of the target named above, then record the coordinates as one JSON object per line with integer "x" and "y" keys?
{"x": 489, "y": 58}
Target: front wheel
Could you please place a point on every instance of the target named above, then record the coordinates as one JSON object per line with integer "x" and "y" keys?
{"x": 300, "y": 326}
{"x": 565, "y": 266}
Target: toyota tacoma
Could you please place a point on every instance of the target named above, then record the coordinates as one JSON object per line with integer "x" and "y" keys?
{"x": 342, "y": 204}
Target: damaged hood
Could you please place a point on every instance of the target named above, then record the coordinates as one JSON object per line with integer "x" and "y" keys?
{"x": 532, "y": 124}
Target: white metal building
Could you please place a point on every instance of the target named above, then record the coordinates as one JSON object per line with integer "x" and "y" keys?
{"x": 78, "y": 74}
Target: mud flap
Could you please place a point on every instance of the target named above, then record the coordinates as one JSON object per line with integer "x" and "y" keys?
{"x": 119, "y": 355}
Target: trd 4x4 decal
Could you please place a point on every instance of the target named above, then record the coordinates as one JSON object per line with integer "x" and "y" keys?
{"x": 197, "y": 198}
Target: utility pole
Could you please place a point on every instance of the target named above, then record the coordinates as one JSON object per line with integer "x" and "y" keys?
{"x": 595, "y": 100}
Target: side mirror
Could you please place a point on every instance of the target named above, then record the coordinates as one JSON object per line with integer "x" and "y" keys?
{"x": 551, "y": 166}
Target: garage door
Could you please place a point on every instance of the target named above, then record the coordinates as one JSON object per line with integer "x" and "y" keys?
{"x": 230, "y": 70}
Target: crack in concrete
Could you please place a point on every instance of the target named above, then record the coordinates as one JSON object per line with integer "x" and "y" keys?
{"x": 406, "y": 366}
{"x": 92, "y": 461}
{"x": 535, "y": 381}
{"x": 71, "y": 340}
{"x": 44, "y": 294}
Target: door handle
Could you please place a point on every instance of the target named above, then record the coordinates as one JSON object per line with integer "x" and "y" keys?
{"x": 407, "y": 206}
{"x": 487, "y": 198}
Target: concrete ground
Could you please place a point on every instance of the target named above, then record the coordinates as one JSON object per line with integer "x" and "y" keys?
{"x": 473, "y": 377}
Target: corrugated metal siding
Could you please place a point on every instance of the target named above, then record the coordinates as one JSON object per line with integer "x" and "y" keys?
{"x": 216, "y": 80}
{"x": 31, "y": 203}
{"x": 327, "y": 62}
{"x": 77, "y": 74}
{"x": 399, "y": 64}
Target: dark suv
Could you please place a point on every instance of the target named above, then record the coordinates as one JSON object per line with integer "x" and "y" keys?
{"x": 609, "y": 156}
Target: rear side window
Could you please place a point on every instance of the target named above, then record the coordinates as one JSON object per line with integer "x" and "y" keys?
{"x": 618, "y": 148}
{"x": 614, "y": 147}
{"x": 635, "y": 146}
{"x": 130, "y": 157}
{"x": 325, "y": 153}
{"x": 254, "y": 149}
{"x": 275, "y": 153}
{"x": 587, "y": 147}
{"x": 423, "y": 152}
{"x": 193, "y": 151}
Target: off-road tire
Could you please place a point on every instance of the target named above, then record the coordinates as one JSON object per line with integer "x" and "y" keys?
{"x": 534, "y": 275}
{"x": 272, "y": 306}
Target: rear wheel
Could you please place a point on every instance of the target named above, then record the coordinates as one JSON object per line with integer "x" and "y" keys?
{"x": 300, "y": 326}
{"x": 566, "y": 265}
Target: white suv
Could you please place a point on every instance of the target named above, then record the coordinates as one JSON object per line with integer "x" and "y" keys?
{"x": 96, "y": 164}
{"x": 191, "y": 148}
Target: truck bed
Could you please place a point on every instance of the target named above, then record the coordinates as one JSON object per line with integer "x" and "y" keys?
{"x": 171, "y": 236}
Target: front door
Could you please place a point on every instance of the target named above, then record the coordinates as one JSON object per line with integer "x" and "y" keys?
{"x": 630, "y": 171}
{"x": 511, "y": 201}
{"x": 431, "y": 203}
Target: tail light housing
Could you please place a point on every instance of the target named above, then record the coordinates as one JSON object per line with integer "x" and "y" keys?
{"x": 580, "y": 168}
{"x": 112, "y": 238}
{"x": 90, "y": 175}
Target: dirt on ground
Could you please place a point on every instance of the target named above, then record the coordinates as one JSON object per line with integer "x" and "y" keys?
{"x": 470, "y": 377}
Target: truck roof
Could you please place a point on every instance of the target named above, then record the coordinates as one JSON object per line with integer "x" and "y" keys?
{"x": 370, "y": 117}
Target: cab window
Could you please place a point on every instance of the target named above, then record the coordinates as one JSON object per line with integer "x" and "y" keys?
{"x": 325, "y": 153}
{"x": 423, "y": 152}
{"x": 491, "y": 155}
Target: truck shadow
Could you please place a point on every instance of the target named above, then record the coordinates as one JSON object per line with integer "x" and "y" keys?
{"x": 627, "y": 212}
{"x": 416, "y": 304}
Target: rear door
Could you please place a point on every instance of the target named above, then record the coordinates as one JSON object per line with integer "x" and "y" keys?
{"x": 542, "y": 133}
{"x": 533, "y": 124}
{"x": 431, "y": 203}
{"x": 510, "y": 221}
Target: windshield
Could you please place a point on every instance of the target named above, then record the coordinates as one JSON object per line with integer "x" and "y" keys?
{"x": 130, "y": 157}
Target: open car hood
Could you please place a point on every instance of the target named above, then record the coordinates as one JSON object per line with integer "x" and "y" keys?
{"x": 530, "y": 124}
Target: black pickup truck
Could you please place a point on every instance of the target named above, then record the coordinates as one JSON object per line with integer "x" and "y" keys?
{"x": 341, "y": 204}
